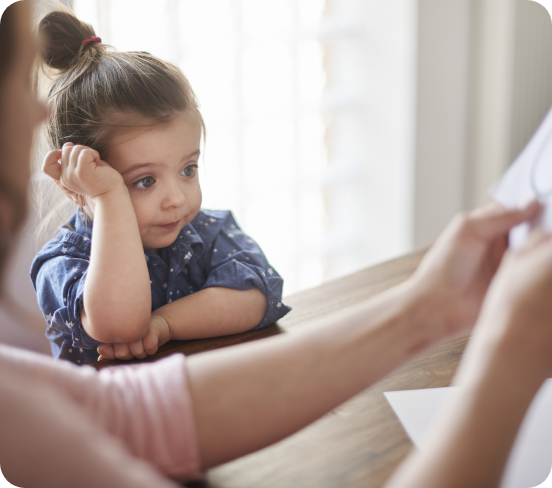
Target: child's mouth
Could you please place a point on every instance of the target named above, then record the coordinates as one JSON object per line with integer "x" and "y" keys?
{"x": 169, "y": 226}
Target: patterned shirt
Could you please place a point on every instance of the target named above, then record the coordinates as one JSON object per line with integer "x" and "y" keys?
{"x": 209, "y": 251}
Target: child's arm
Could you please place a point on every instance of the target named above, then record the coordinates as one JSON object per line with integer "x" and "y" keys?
{"x": 242, "y": 291}
{"x": 117, "y": 294}
{"x": 210, "y": 312}
{"x": 214, "y": 312}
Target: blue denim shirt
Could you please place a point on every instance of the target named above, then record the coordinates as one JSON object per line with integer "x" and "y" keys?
{"x": 209, "y": 251}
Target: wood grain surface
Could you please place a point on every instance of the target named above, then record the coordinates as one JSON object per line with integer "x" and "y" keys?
{"x": 358, "y": 444}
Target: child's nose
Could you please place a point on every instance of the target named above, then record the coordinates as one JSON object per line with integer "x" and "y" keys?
{"x": 174, "y": 196}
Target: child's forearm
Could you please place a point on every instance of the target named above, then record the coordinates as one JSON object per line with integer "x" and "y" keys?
{"x": 117, "y": 292}
{"x": 214, "y": 312}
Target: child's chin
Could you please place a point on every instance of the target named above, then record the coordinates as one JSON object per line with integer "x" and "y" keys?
{"x": 159, "y": 242}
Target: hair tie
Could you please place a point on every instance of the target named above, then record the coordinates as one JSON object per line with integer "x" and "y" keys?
{"x": 90, "y": 40}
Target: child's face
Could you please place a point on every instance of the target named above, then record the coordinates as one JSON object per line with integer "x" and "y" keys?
{"x": 160, "y": 168}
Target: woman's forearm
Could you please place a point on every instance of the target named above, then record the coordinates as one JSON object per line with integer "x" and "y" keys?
{"x": 117, "y": 292}
{"x": 214, "y": 312}
{"x": 249, "y": 396}
{"x": 471, "y": 440}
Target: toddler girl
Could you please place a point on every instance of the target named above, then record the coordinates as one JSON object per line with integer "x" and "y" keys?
{"x": 139, "y": 263}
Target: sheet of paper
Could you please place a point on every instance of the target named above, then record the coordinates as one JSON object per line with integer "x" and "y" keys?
{"x": 530, "y": 461}
{"x": 529, "y": 177}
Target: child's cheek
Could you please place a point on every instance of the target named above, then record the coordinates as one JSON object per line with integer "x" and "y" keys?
{"x": 143, "y": 217}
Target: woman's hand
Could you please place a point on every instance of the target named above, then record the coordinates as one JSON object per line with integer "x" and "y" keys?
{"x": 79, "y": 172}
{"x": 453, "y": 278}
{"x": 515, "y": 326}
{"x": 508, "y": 358}
{"x": 158, "y": 334}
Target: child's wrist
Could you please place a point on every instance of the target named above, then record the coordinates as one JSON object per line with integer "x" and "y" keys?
{"x": 165, "y": 331}
{"x": 114, "y": 193}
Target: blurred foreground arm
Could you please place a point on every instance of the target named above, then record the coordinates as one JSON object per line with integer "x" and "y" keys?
{"x": 249, "y": 396}
{"x": 504, "y": 366}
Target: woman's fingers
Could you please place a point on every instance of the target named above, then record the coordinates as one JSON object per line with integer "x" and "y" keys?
{"x": 536, "y": 239}
{"x": 492, "y": 221}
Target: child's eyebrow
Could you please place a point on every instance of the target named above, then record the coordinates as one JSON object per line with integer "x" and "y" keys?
{"x": 145, "y": 165}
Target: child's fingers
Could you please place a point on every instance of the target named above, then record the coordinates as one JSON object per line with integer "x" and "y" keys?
{"x": 151, "y": 343}
{"x": 66, "y": 151}
{"x": 73, "y": 154}
{"x": 107, "y": 351}
{"x": 51, "y": 166}
{"x": 122, "y": 351}
{"x": 80, "y": 156}
{"x": 87, "y": 155}
{"x": 137, "y": 349}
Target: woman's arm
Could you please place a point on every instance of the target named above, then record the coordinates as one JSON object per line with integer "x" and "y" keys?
{"x": 249, "y": 396}
{"x": 126, "y": 415}
{"x": 252, "y": 395}
{"x": 471, "y": 440}
{"x": 117, "y": 294}
{"x": 504, "y": 366}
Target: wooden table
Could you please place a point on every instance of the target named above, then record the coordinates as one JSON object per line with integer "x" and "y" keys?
{"x": 361, "y": 442}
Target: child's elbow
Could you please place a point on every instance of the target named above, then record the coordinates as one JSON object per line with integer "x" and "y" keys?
{"x": 116, "y": 327}
{"x": 257, "y": 307}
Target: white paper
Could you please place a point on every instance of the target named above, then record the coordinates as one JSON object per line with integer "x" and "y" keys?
{"x": 531, "y": 457}
{"x": 529, "y": 177}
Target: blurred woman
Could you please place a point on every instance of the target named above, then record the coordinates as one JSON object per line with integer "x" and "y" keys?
{"x": 63, "y": 426}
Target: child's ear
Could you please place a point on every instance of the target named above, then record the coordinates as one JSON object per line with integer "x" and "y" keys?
{"x": 80, "y": 200}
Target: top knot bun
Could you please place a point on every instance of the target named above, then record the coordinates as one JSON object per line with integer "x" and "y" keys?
{"x": 62, "y": 35}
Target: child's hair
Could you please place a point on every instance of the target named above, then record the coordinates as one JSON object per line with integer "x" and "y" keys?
{"x": 96, "y": 90}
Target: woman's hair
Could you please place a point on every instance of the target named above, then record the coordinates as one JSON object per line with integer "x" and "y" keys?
{"x": 7, "y": 36}
{"x": 96, "y": 90}
{"x": 16, "y": 199}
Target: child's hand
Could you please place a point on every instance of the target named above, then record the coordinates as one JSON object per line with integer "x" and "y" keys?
{"x": 79, "y": 172}
{"x": 158, "y": 334}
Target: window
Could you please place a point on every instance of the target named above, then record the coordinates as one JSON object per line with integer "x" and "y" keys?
{"x": 309, "y": 112}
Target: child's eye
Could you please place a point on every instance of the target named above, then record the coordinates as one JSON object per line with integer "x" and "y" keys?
{"x": 145, "y": 182}
{"x": 189, "y": 170}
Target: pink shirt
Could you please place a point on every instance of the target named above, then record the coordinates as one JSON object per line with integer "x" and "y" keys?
{"x": 63, "y": 426}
